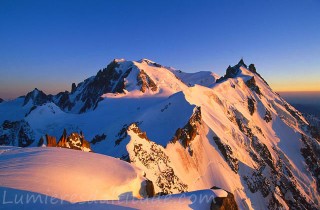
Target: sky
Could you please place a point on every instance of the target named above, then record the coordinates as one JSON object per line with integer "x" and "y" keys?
{"x": 49, "y": 44}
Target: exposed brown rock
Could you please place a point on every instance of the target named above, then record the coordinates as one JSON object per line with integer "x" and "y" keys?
{"x": 63, "y": 139}
{"x": 74, "y": 141}
{"x": 146, "y": 82}
{"x": 189, "y": 131}
{"x": 227, "y": 153}
{"x": 251, "y": 106}
{"x": 85, "y": 144}
{"x": 51, "y": 141}
{"x": 226, "y": 203}
{"x": 150, "y": 188}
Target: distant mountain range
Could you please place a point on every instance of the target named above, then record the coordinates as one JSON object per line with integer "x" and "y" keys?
{"x": 305, "y": 102}
{"x": 184, "y": 131}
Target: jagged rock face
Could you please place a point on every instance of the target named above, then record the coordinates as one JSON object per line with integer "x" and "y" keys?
{"x": 63, "y": 101}
{"x": 16, "y": 133}
{"x": 88, "y": 92}
{"x": 232, "y": 72}
{"x": 267, "y": 116}
{"x": 273, "y": 175}
{"x": 227, "y": 153}
{"x": 251, "y": 106}
{"x": 153, "y": 160}
{"x": 293, "y": 112}
{"x": 252, "y": 68}
{"x": 241, "y": 63}
{"x": 145, "y": 82}
{"x": 251, "y": 83}
{"x": 38, "y": 98}
{"x": 186, "y": 134}
{"x": 315, "y": 132}
{"x": 51, "y": 141}
{"x": 311, "y": 154}
{"x": 106, "y": 81}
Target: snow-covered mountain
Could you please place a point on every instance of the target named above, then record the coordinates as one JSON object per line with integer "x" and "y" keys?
{"x": 185, "y": 131}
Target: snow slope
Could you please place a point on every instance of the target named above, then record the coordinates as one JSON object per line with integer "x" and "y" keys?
{"x": 204, "y": 78}
{"x": 55, "y": 178}
{"x": 68, "y": 174}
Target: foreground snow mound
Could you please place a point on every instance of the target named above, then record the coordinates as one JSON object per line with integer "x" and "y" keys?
{"x": 68, "y": 174}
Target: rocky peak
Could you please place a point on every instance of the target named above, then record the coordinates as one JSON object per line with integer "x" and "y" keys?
{"x": 241, "y": 63}
{"x": 63, "y": 139}
{"x": 186, "y": 134}
{"x": 135, "y": 128}
{"x": 88, "y": 92}
{"x": 73, "y": 141}
{"x": 123, "y": 133}
{"x": 252, "y": 68}
{"x": 1, "y": 100}
{"x": 73, "y": 87}
{"x": 38, "y": 98}
{"x": 153, "y": 160}
{"x": 231, "y": 72}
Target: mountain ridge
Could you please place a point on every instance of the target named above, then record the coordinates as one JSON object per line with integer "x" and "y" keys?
{"x": 233, "y": 132}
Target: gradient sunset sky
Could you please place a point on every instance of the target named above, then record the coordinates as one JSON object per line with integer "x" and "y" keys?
{"x": 49, "y": 44}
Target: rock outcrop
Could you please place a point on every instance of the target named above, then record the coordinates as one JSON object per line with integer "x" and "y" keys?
{"x": 152, "y": 159}
{"x": 227, "y": 153}
{"x": 16, "y": 133}
{"x": 98, "y": 138}
{"x": 224, "y": 203}
{"x": 145, "y": 82}
{"x": 149, "y": 188}
{"x": 251, "y": 83}
{"x": 186, "y": 134}
{"x": 73, "y": 141}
